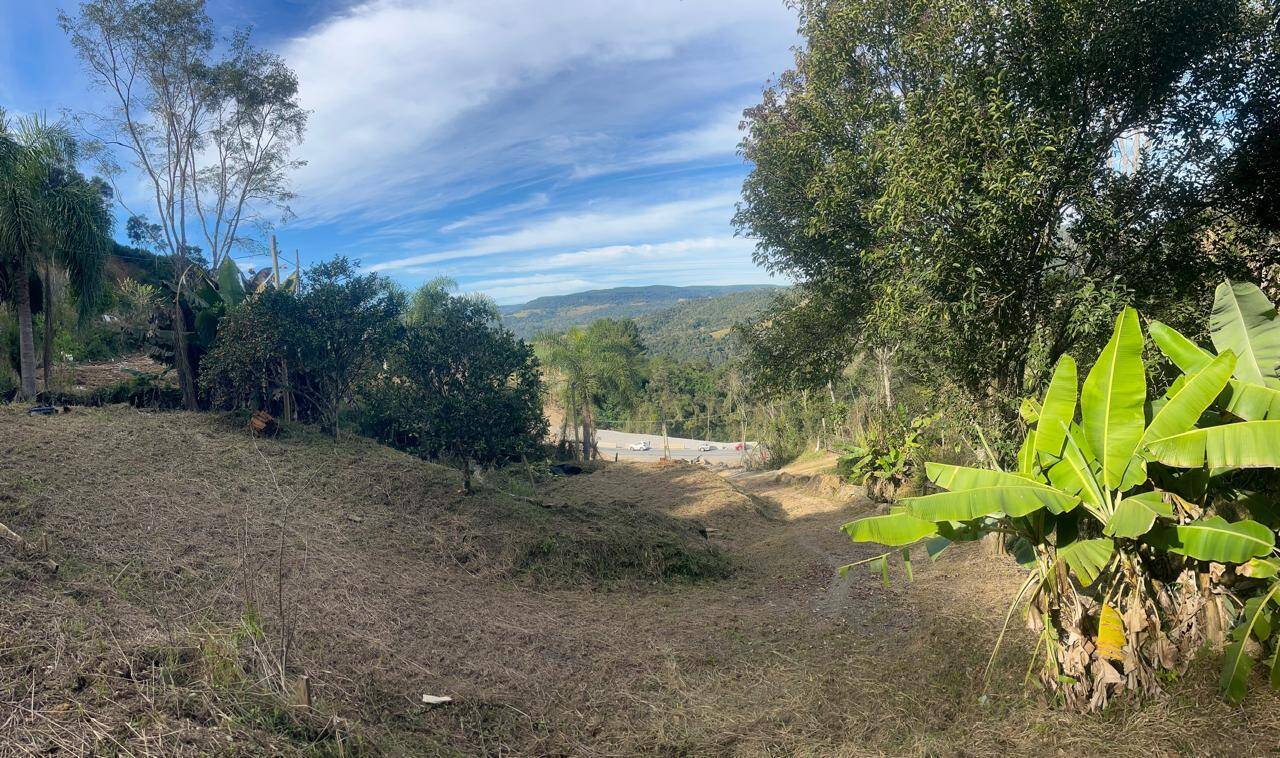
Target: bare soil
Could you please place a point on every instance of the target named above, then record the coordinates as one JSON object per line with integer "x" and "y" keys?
{"x": 187, "y": 549}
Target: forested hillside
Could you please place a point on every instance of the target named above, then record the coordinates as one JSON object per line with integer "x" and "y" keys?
{"x": 701, "y": 330}
{"x": 558, "y": 313}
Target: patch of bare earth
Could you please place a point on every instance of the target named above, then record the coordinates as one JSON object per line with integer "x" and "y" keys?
{"x": 184, "y": 543}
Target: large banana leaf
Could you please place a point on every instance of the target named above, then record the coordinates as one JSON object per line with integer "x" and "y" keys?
{"x": 1135, "y": 515}
{"x": 1112, "y": 403}
{"x": 1253, "y": 402}
{"x": 1216, "y": 539}
{"x": 1058, "y": 409}
{"x": 1074, "y": 474}
{"x": 957, "y": 478}
{"x": 1237, "y": 664}
{"x": 1087, "y": 558}
{"x": 230, "y": 283}
{"x": 999, "y": 500}
{"x": 1184, "y": 353}
{"x": 1244, "y": 320}
{"x": 1248, "y": 444}
{"x": 1191, "y": 398}
{"x": 893, "y": 530}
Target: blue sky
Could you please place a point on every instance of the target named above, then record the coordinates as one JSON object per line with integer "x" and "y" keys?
{"x": 522, "y": 147}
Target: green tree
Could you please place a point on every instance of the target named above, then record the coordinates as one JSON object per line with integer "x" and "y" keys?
{"x": 458, "y": 385}
{"x": 605, "y": 360}
{"x": 1018, "y": 167}
{"x": 211, "y": 135}
{"x": 1136, "y": 517}
{"x": 53, "y": 221}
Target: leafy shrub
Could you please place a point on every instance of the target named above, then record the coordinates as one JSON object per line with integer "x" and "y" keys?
{"x": 1128, "y": 515}
{"x": 457, "y": 385}
{"x": 313, "y": 348}
{"x": 887, "y": 458}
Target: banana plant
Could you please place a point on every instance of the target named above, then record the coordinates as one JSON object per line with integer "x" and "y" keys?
{"x": 1096, "y": 506}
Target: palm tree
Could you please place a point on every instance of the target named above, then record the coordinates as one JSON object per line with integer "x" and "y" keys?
{"x": 52, "y": 221}
{"x": 603, "y": 359}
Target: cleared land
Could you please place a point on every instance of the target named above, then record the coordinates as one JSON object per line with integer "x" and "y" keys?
{"x": 585, "y": 616}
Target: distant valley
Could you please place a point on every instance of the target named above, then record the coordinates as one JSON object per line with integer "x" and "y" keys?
{"x": 688, "y": 323}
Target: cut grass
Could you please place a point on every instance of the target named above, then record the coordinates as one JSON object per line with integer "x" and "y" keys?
{"x": 565, "y": 628}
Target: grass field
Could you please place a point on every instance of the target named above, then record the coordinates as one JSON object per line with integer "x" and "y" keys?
{"x": 627, "y": 611}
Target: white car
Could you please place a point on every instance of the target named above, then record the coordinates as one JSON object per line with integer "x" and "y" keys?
{"x": 706, "y": 447}
{"x": 641, "y": 446}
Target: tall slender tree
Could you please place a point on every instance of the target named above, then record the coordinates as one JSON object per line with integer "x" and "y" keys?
{"x": 211, "y": 134}
{"x": 53, "y": 222}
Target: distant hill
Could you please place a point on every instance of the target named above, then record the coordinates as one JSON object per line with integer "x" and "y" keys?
{"x": 697, "y": 330}
{"x": 689, "y": 323}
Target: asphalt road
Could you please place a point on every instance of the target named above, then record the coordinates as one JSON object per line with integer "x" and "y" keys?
{"x": 611, "y": 442}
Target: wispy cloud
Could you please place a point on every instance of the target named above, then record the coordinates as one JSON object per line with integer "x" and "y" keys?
{"x": 586, "y": 227}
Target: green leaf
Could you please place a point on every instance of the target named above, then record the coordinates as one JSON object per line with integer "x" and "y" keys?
{"x": 1074, "y": 475}
{"x": 934, "y": 546}
{"x": 1247, "y": 444}
{"x": 906, "y": 564}
{"x": 1087, "y": 558}
{"x": 1237, "y": 664}
{"x": 1216, "y": 539}
{"x": 1135, "y": 515}
{"x": 958, "y": 478}
{"x": 1113, "y": 399}
{"x": 1027, "y": 454}
{"x": 1261, "y": 568}
{"x": 998, "y": 500}
{"x": 1192, "y": 397}
{"x": 1058, "y": 409}
{"x": 1184, "y": 353}
{"x": 230, "y": 284}
{"x": 1252, "y": 402}
{"x": 892, "y": 530}
{"x": 1243, "y": 320}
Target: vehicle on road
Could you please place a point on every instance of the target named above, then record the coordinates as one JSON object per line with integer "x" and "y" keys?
{"x": 741, "y": 446}
{"x": 706, "y": 447}
{"x": 641, "y": 446}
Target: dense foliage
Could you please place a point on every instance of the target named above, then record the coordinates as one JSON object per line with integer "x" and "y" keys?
{"x": 969, "y": 188}
{"x": 457, "y": 385}
{"x": 1147, "y": 525}
{"x": 314, "y": 348}
{"x": 55, "y": 227}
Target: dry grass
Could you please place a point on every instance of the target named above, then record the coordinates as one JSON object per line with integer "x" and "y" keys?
{"x": 159, "y": 634}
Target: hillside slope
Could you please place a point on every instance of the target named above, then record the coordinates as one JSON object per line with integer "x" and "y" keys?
{"x": 558, "y": 313}
{"x": 702, "y": 330}
{"x": 563, "y": 625}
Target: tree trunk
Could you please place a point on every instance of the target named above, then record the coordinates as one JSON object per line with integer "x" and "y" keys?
{"x": 48, "y": 330}
{"x": 587, "y": 441}
{"x": 26, "y": 342}
{"x": 182, "y": 358}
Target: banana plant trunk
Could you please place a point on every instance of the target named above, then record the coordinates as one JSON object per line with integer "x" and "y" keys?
{"x": 26, "y": 343}
{"x": 1126, "y": 634}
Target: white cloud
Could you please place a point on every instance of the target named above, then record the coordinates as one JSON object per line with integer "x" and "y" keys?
{"x": 602, "y": 227}
{"x": 418, "y": 103}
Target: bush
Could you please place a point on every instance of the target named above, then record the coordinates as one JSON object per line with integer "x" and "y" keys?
{"x": 312, "y": 349}
{"x": 457, "y": 385}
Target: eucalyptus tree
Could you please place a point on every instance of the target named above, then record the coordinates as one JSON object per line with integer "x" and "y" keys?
{"x": 53, "y": 221}
{"x": 210, "y": 128}
{"x": 1024, "y": 167}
